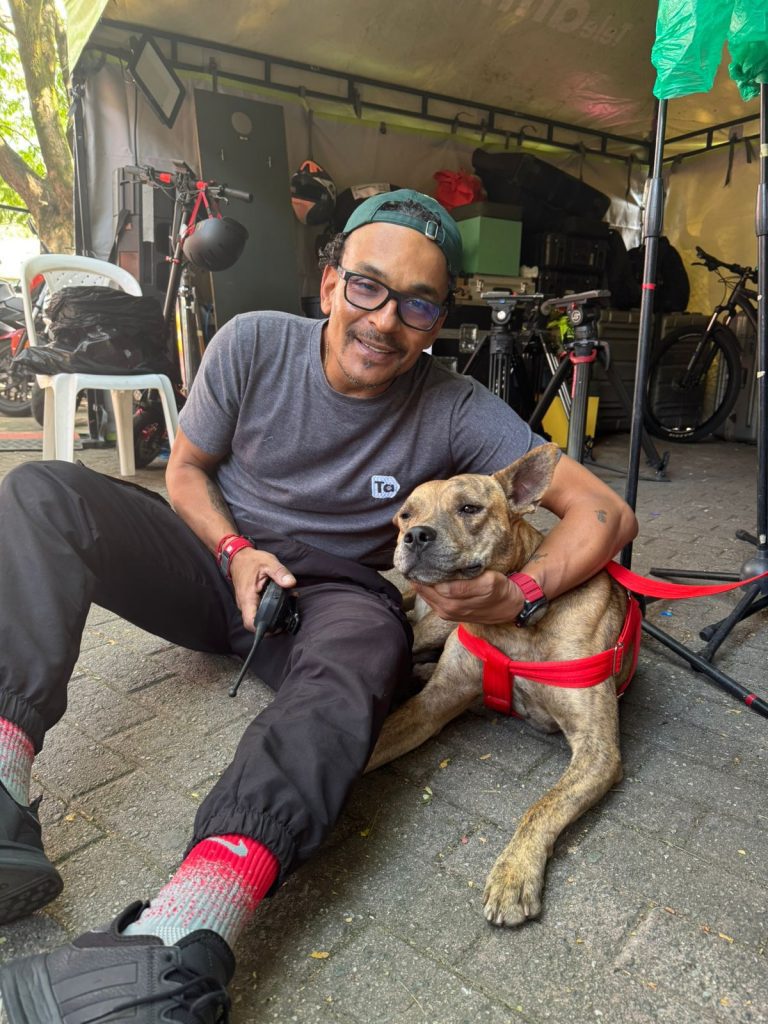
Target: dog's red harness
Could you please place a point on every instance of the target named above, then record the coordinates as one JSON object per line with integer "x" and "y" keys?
{"x": 499, "y": 670}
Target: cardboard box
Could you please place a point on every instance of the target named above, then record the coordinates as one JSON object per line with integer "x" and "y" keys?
{"x": 491, "y": 245}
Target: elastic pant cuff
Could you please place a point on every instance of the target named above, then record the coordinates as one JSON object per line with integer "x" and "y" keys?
{"x": 256, "y": 825}
{"x": 18, "y": 710}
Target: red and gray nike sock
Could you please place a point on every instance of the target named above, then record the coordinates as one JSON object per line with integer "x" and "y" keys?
{"x": 218, "y": 886}
{"x": 17, "y": 753}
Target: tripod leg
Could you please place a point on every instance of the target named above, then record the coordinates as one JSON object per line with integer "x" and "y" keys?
{"x": 692, "y": 574}
{"x": 496, "y": 374}
{"x": 708, "y": 632}
{"x": 520, "y": 391}
{"x": 724, "y": 627}
{"x": 659, "y": 462}
{"x": 480, "y": 346}
{"x": 750, "y": 538}
{"x": 577, "y": 424}
{"x": 696, "y": 661}
{"x": 548, "y": 395}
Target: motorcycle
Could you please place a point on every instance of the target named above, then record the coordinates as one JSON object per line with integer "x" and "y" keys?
{"x": 16, "y": 385}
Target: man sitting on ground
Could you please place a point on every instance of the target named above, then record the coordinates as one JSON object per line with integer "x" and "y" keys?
{"x": 298, "y": 443}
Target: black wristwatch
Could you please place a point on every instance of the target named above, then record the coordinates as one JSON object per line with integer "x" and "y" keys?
{"x": 535, "y": 604}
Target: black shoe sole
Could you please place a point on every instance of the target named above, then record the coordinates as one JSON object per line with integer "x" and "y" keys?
{"x": 28, "y": 881}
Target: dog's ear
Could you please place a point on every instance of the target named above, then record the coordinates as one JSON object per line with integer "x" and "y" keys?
{"x": 526, "y": 480}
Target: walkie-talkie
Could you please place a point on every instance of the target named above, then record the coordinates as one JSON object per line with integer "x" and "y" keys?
{"x": 277, "y": 613}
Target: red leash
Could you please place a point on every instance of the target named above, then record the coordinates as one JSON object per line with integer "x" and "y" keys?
{"x": 658, "y": 588}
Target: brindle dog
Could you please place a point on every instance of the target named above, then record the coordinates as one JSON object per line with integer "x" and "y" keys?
{"x": 456, "y": 529}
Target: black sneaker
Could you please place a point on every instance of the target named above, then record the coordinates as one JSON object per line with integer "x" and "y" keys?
{"x": 108, "y": 976}
{"x": 28, "y": 880}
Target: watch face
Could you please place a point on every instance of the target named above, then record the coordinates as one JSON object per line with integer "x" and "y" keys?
{"x": 532, "y": 611}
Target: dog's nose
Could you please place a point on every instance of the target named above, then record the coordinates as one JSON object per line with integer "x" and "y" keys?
{"x": 419, "y": 537}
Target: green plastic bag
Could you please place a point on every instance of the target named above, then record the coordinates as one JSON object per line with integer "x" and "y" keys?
{"x": 748, "y": 46}
{"x": 689, "y": 45}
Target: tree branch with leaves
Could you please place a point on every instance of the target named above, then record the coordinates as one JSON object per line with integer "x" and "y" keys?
{"x": 35, "y": 153}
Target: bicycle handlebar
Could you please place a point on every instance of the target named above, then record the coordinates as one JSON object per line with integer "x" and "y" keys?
{"x": 232, "y": 193}
{"x": 712, "y": 263}
{"x": 577, "y": 299}
{"x": 152, "y": 176}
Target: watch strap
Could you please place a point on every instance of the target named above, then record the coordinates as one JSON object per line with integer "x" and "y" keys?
{"x": 226, "y": 550}
{"x": 528, "y": 585}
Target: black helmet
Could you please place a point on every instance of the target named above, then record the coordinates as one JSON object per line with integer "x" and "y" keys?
{"x": 215, "y": 243}
{"x": 313, "y": 193}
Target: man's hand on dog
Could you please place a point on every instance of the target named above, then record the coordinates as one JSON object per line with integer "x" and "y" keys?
{"x": 489, "y": 599}
{"x": 250, "y": 572}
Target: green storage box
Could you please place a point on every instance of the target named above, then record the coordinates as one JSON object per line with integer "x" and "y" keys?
{"x": 491, "y": 244}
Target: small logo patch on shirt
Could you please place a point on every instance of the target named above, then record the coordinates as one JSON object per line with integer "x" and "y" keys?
{"x": 384, "y": 486}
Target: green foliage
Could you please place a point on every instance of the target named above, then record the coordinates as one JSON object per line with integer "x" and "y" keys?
{"x": 16, "y": 125}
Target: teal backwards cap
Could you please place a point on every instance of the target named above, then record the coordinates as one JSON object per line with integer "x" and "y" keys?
{"x": 441, "y": 228}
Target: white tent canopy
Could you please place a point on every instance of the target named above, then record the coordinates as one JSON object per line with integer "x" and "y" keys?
{"x": 583, "y": 63}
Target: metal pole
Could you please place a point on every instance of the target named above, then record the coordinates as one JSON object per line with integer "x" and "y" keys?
{"x": 652, "y": 231}
{"x": 761, "y": 230}
{"x": 652, "y": 225}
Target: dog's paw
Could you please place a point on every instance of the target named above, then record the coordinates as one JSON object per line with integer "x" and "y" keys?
{"x": 512, "y": 893}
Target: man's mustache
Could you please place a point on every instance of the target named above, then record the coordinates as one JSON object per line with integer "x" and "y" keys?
{"x": 373, "y": 337}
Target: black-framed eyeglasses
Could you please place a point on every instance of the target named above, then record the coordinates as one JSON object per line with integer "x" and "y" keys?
{"x": 368, "y": 293}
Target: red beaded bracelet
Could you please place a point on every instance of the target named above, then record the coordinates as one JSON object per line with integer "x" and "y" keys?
{"x": 226, "y": 550}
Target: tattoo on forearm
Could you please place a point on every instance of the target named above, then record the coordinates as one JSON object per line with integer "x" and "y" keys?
{"x": 217, "y": 500}
{"x": 602, "y": 516}
{"x": 536, "y": 557}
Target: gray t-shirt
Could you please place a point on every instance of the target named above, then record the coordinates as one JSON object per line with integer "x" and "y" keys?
{"x": 328, "y": 469}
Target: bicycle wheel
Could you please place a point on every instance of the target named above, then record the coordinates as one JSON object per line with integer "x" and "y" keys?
{"x": 693, "y": 383}
{"x": 15, "y": 385}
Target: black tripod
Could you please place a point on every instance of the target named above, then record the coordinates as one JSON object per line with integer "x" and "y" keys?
{"x": 582, "y": 350}
{"x": 755, "y": 596}
{"x": 507, "y": 374}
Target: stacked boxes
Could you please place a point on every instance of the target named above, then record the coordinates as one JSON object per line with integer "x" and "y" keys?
{"x": 491, "y": 234}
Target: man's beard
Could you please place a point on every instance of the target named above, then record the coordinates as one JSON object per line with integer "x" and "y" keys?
{"x": 375, "y": 339}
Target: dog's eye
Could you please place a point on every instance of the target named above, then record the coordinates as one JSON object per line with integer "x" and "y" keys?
{"x": 470, "y": 510}
{"x": 405, "y": 515}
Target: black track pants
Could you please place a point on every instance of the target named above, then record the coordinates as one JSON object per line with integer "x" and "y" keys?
{"x": 70, "y": 537}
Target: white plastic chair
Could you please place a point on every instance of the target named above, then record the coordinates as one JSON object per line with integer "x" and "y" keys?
{"x": 61, "y": 389}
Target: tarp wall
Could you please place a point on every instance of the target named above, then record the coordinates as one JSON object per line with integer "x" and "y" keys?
{"x": 121, "y": 129}
{"x": 702, "y": 210}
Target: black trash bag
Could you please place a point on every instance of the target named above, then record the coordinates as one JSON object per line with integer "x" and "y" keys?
{"x": 673, "y": 288}
{"x": 619, "y": 275}
{"x": 546, "y": 194}
{"x": 94, "y": 329}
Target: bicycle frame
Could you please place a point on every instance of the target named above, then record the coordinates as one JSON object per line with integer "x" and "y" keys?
{"x": 740, "y": 298}
{"x": 180, "y": 306}
{"x": 181, "y": 310}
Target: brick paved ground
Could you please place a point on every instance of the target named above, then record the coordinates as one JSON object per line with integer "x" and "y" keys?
{"x": 656, "y": 901}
